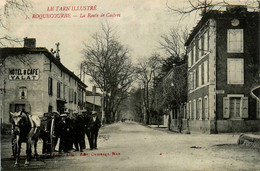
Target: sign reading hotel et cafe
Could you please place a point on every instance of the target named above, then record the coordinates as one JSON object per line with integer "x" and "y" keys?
{"x": 24, "y": 74}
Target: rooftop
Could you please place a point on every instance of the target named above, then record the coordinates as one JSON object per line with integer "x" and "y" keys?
{"x": 7, "y": 51}
{"x": 237, "y": 11}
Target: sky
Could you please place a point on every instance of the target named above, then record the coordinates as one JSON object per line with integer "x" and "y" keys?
{"x": 139, "y": 26}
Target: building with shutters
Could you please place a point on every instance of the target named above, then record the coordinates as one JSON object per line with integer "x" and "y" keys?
{"x": 33, "y": 78}
{"x": 223, "y": 68}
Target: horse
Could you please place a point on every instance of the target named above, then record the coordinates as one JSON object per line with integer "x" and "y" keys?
{"x": 24, "y": 129}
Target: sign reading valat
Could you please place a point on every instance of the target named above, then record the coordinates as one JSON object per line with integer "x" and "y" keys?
{"x": 24, "y": 74}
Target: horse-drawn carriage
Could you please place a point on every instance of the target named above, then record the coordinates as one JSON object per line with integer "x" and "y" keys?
{"x": 29, "y": 128}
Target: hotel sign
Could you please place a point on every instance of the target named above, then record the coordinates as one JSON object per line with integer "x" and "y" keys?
{"x": 24, "y": 74}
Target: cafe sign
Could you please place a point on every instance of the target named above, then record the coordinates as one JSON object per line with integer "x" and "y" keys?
{"x": 29, "y": 74}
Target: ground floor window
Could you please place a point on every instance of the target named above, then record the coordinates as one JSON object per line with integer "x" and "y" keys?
{"x": 199, "y": 113}
{"x": 235, "y": 107}
{"x": 206, "y": 108}
{"x": 190, "y": 111}
{"x": 194, "y": 115}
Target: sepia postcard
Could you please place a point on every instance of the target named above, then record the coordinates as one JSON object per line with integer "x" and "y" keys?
{"x": 130, "y": 85}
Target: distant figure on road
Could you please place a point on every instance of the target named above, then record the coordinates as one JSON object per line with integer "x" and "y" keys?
{"x": 94, "y": 125}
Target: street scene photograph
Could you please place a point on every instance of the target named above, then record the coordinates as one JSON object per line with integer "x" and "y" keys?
{"x": 134, "y": 85}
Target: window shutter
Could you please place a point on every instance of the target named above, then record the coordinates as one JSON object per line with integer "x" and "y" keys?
{"x": 225, "y": 107}
{"x": 244, "y": 107}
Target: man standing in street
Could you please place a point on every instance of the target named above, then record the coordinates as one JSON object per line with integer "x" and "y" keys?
{"x": 79, "y": 133}
{"x": 63, "y": 129}
{"x": 94, "y": 125}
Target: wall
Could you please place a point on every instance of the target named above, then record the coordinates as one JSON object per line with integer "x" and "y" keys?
{"x": 250, "y": 56}
{"x": 238, "y": 126}
{"x": 34, "y": 88}
{"x": 202, "y": 126}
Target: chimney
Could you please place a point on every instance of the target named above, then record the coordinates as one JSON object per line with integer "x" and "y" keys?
{"x": 29, "y": 42}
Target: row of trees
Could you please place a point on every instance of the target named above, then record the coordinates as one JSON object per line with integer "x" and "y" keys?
{"x": 158, "y": 89}
{"x": 108, "y": 63}
{"x": 164, "y": 82}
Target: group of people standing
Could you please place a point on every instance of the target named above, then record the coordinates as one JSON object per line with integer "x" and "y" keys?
{"x": 72, "y": 131}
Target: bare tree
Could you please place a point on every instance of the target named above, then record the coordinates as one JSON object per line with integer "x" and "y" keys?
{"x": 108, "y": 64}
{"x": 11, "y": 7}
{"x": 147, "y": 70}
{"x": 173, "y": 42}
{"x": 202, "y": 6}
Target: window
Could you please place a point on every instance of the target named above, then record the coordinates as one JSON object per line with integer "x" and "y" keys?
{"x": 202, "y": 74}
{"x": 50, "y": 86}
{"x": 190, "y": 80}
{"x": 202, "y": 45}
{"x": 235, "y": 106}
{"x": 75, "y": 98}
{"x": 199, "y": 76}
{"x": 190, "y": 109}
{"x": 235, "y": 40}
{"x": 235, "y": 73}
{"x": 199, "y": 113}
{"x": 193, "y": 54}
{"x": 200, "y": 48}
{"x": 58, "y": 89}
{"x": 206, "y": 78}
{"x": 194, "y": 79}
{"x": 64, "y": 91}
{"x": 206, "y": 41}
{"x": 70, "y": 95}
{"x": 189, "y": 59}
{"x": 194, "y": 110}
{"x": 197, "y": 51}
{"x": 187, "y": 110}
{"x": 206, "y": 110}
{"x": 50, "y": 66}
{"x": 23, "y": 92}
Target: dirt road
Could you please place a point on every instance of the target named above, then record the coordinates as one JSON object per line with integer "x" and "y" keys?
{"x": 130, "y": 146}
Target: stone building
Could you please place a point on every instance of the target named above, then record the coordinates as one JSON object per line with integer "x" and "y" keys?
{"x": 223, "y": 67}
{"x": 32, "y": 78}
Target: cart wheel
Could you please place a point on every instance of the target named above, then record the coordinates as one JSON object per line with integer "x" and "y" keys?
{"x": 52, "y": 136}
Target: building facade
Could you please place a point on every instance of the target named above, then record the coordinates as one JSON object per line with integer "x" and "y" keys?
{"x": 35, "y": 80}
{"x": 175, "y": 93}
{"x": 223, "y": 67}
